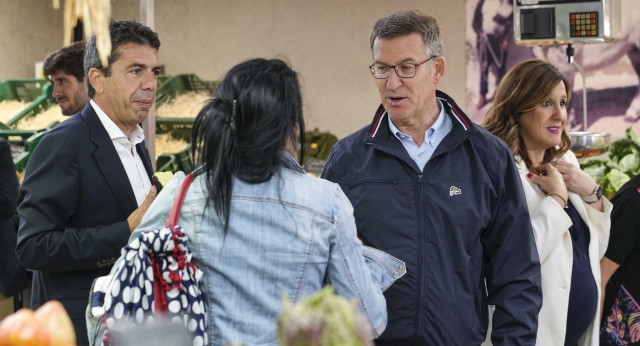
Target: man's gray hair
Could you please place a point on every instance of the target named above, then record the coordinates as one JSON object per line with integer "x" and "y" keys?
{"x": 409, "y": 22}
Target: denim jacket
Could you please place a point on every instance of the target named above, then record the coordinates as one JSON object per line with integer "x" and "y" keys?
{"x": 288, "y": 236}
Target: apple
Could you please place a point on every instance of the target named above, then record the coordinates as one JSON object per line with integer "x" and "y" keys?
{"x": 54, "y": 319}
{"x": 22, "y": 329}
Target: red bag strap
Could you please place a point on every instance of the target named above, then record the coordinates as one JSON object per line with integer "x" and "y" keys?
{"x": 174, "y": 214}
{"x": 159, "y": 294}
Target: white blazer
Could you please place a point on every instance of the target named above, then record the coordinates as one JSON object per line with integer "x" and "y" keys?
{"x": 551, "y": 230}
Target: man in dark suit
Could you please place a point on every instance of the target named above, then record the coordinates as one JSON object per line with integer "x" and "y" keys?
{"x": 88, "y": 182}
{"x": 13, "y": 277}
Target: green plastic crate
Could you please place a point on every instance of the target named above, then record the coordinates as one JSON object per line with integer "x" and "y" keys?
{"x": 179, "y": 128}
{"x": 21, "y": 160}
{"x": 184, "y": 158}
{"x": 40, "y": 104}
{"x": 162, "y": 78}
{"x": 180, "y": 161}
{"x": 26, "y": 90}
{"x": 17, "y": 140}
{"x": 212, "y": 85}
{"x": 23, "y": 142}
{"x": 167, "y": 163}
{"x": 177, "y": 85}
{"x": 181, "y": 84}
{"x": 17, "y": 136}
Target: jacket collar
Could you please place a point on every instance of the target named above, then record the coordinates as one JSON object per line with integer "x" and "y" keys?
{"x": 575, "y": 199}
{"x": 289, "y": 162}
{"x": 463, "y": 127}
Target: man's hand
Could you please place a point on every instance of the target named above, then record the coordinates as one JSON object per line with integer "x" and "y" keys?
{"x": 136, "y": 217}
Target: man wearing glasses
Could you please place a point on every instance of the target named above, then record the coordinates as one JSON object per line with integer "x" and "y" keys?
{"x": 437, "y": 191}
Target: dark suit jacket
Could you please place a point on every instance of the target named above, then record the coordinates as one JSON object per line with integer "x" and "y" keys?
{"x": 13, "y": 277}
{"x": 8, "y": 187}
{"x": 73, "y": 219}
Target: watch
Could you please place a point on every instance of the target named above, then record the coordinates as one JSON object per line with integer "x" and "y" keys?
{"x": 594, "y": 196}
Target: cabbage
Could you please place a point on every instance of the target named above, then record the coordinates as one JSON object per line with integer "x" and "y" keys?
{"x": 630, "y": 163}
{"x": 616, "y": 179}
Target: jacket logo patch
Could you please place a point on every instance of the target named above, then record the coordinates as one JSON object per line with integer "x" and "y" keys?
{"x": 454, "y": 191}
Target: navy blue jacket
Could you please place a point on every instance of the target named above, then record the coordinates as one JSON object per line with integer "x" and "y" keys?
{"x": 462, "y": 220}
{"x": 73, "y": 219}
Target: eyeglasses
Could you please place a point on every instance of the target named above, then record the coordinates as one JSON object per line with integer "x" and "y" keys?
{"x": 404, "y": 70}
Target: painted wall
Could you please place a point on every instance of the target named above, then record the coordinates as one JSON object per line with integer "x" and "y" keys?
{"x": 29, "y": 30}
{"x": 612, "y": 70}
{"x": 327, "y": 42}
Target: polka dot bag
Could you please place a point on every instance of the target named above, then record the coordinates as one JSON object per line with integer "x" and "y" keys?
{"x": 156, "y": 278}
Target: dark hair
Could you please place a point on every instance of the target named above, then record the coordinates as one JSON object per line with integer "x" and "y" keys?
{"x": 409, "y": 22}
{"x": 257, "y": 111}
{"x": 67, "y": 59}
{"x": 121, "y": 32}
{"x": 525, "y": 86}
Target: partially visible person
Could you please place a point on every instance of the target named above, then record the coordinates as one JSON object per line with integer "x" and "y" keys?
{"x": 442, "y": 194}
{"x": 13, "y": 277}
{"x": 258, "y": 227}
{"x": 88, "y": 182}
{"x": 64, "y": 69}
{"x": 621, "y": 270}
{"x": 569, "y": 215}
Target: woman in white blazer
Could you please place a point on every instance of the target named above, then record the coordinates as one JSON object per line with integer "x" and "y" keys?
{"x": 570, "y": 217}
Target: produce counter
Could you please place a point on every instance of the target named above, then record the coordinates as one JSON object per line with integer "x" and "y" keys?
{"x": 614, "y": 168}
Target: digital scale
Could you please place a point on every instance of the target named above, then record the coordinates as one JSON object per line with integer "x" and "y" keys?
{"x": 559, "y": 22}
{"x": 553, "y": 22}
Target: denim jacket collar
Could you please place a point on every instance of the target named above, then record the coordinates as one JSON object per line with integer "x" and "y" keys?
{"x": 289, "y": 162}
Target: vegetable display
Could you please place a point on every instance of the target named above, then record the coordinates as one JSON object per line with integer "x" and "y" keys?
{"x": 186, "y": 105}
{"x": 42, "y": 119}
{"x": 165, "y": 143}
{"x": 621, "y": 164}
{"x": 10, "y": 108}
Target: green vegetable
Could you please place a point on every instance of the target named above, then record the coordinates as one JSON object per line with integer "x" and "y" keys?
{"x": 632, "y": 136}
{"x": 622, "y": 163}
{"x": 597, "y": 172}
{"x": 324, "y": 319}
{"x": 630, "y": 163}
{"x": 616, "y": 179}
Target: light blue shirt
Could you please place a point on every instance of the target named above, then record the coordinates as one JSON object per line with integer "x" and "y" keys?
{"x": 432, "y": 138}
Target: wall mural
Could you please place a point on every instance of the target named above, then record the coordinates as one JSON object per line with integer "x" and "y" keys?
{"x": 612, "y": 70}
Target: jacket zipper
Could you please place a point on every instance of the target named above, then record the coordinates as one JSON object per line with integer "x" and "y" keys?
{"x": 421, "y": 262}
{"x": 421, "y": 252}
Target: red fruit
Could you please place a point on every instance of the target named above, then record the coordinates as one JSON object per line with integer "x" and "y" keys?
{"x": 22, "y": 329}
{"x": 54, "y": 319}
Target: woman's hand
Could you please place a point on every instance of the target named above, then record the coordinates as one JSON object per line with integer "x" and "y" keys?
{"x": 576, "y": 180}
{"x": 550, "y": 181}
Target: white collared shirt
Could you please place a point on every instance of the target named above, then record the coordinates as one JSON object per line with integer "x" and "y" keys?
{"x": 126, "y": 148}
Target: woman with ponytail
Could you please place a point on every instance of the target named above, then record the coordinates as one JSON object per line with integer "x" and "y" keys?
{"x": 258, "y": 227}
